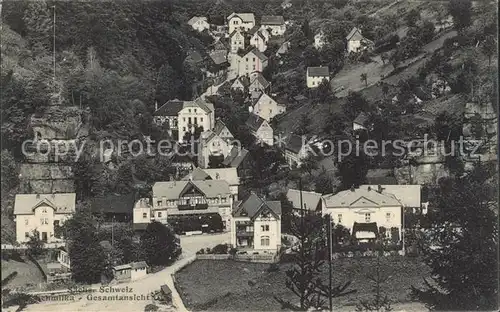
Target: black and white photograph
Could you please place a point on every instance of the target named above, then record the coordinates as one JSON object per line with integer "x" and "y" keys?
{"x": 249, "y": 155}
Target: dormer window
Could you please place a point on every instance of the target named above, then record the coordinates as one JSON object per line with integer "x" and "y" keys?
{"x": 44, "y": 210}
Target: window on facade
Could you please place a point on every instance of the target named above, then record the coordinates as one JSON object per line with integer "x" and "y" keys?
{"x": 144, "y": 215}
{"x": 189, "y": 120}
{"x": 253, "y": 67}
{"x": 159, "y": 203}
{"x": 339, "y": 217}
{"x": 367, "y": 217}
{"x": 247, "y": 59}
{"x": 388, "y": 216}
{"x": 254, "y": 59}
{"x": 189, "y": 110}
{"x": 264, "y": 228}
{"x": 183, "y": 118}
{"x": 195, "y": 120}
{"x": 26, "y": 221}
{"x": 183, "y": 128}
{"x": 264, "y": 241}
{"x": 195, "y": 110}
{"x": 27, "y": 234}
{"x": 201, "y": 119}
{"x": 159, "y": 214}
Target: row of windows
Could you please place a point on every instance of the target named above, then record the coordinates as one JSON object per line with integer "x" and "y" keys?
{"x": 195, "y": 120}
{"x": 265, "y": 241}
{"x": 367, "y": 217}
{"x": 198, "y": 200}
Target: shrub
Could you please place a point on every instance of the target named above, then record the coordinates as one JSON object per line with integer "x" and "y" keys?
{"x": 208, "y": 251}
{"x": 233, "y": 251}
{"x": 273, "y": 267}
{"x": 150, "y": 308}
{"x": 221, "y": 249}
{"x": 200, "y": 252}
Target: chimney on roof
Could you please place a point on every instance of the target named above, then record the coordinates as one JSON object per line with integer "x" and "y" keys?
{"x": 369, "y": 188}
{"x": 353, "y": 188}
{"x": 380, "y": 189}
{"x": 37, "y": 196}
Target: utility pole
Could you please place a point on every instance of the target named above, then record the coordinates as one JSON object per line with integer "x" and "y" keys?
{"x": 330, "y": 270}
{"x": 112, "y": 231}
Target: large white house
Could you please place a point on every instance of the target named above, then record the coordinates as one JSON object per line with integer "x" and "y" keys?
{"x": 276, "y": 24}
{"x": 266, "y": 107}
{"x": 42, "y": 213}
{"x": 366, "y": 211}
{"x": 259, "y": 40}
{"x": 197, "y": 113}
{"x": 177, "y": 199}
{"x": 316, "y": 75}
{"x": 260, "y": 129}
{"x": 256, "y": 225}
{"x": 230, "y": 175}
{"x": 199, "y": 23}
{"x": 244, "y": 21}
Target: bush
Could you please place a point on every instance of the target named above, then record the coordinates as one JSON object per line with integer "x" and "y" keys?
{"x": 221, "y": 249}
{"x": 274, "y": 267}
{"x": 233, "y": 251}
{"x": 150, "y": 308}
{"x": 200, "y": 252}
{"x": 208, "y": 251}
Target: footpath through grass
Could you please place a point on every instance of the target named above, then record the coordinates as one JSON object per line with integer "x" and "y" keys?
{"x": 239, "y": 286}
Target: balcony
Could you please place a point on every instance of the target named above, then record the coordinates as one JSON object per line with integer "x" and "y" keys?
{"x": 244, "y": 233}
{"x": 201, "y": 206}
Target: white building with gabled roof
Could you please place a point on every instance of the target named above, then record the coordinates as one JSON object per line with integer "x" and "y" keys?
{"x": 244, "y": 21}
{"x": 199, "y": 23}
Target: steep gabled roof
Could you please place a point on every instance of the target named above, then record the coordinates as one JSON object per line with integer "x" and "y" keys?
{"x": 61, "y": 202}
{"x": 199, "y": 102}
{"x": 310, "y": 200}
{"x": 360, "y": 197}
{"x": 253, "y": 205}
{"x": 254, "y": 122}
{"x": 218, "y": 57}
{"x": 294, "y": 143}
{"x": 173, "y": 189}
{"x": 318, "y": 71}
{"x": 261, "y": 80}
{"x": 361, "y": 119}
{"x": 235, "y": 157}
{"x": 408, "y": 195}
{"x": 245, "y": 17}
{"x": 197, "y": 174}
{"x": 272, "y": 20}
{"x": 113, "y": 203}
{"x": 171, "y": 108}
{"x": 258, "y": 54}
{"x": 354, "y": 31}
{"x": 245, "y": 82}
{"x": 195, "y": 19}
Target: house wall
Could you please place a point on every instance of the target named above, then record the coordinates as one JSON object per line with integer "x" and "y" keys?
{"x": 122, "y": 275}
{"x": 315, "y": 81}
{"x": 138, "y": 273}
{"x": 201, "y": 25}
{"x": 258, "y": 42}
{"x": 194, "y": 116}
{"x": 265, "y": 134}
{"x": 238, "y": 86}
{"x": 237, "y": 42}
{"x": 216, "y": 146}
{"x": 241, "y": 66}
{"x": 236, "y": 22}
{"x": 378, "y": 215}
{"x": 276, "y": 30}
{"x": 267, "y": 108}
{"x": 142, "y": 215}
{"x": 356, "y": 126}
{"x": 296, "y": 158}
{"x": 274, "y": 234}
{"x": 41, "y": 220}
{"x": 172, "y": 121}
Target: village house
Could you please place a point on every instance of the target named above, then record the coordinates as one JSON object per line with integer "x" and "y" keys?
{"x": 319, "y": 40}
{"x": 167, "y": 115}
{"x": 260, "y": 129}
{"x": 267, "y": 108}
{"x": 177, "y": 199}
{"x": 216, "y": 142}
{"x": 243, "y": 21}
{"x": 113, "y": 207}
{"x": 356, "y": 42}
{"x": 199, "y": 23}
{"x": 311, "y": 201}
{"x": 230, "y": 175}
{"x": 316, "y": 75}
{"x": 216, "y": 71}
{"x": 360, "y": 122}
{"x": 295, "y": 151}
{"x": 44, "y": 213}
{"x": 237, "y": 40}
{"x": 256, "y": 225}
{"x": 241, "y": 83}
{"x": 258, "y": 83}
{"x": 194, "y": 114}
{"x": 258, "y": 39}
{"x": 408, "y": 195}
{"x": 248, "y": 62}
{"x": 367, "y": 212}
{"x": 238, "y": 158}
{"x": 283, "y": 49}
{"x": 276, "y": 24}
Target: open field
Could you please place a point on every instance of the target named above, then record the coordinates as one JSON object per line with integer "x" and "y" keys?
{"x": 226, "y": 285}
